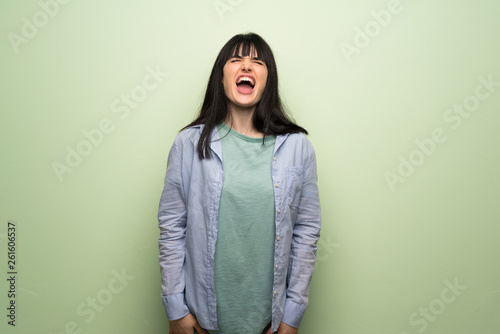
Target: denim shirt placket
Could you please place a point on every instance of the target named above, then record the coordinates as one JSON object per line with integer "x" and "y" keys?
{"x": 213, "y": 229}
{"x": 278, "y": 249}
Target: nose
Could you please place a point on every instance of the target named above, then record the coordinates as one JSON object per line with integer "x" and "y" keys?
{"x": 246, "y": 64}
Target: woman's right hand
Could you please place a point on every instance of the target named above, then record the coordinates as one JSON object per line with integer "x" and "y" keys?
{"x": 185, "y": 325}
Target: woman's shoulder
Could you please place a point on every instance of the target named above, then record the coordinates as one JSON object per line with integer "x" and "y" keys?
{"x": 299, "y": 144}
{"x": 297, "y": 138}
{"x": 189, "y": 133}
{"x": 186, "y": 139}
{"x": 192, "y": 129}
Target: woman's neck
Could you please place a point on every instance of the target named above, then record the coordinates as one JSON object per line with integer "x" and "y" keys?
{"x": 240, "y": 120}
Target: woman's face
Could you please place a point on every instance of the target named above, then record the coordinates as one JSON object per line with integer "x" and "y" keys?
{"x": 244, "y": 80}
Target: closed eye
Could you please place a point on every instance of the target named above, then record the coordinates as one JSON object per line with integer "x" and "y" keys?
{"x": 238, "y": 59}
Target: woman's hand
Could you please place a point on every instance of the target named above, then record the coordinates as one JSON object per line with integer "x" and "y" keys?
{"x": 185, "y": 325}
{"x": 285, "y": 329}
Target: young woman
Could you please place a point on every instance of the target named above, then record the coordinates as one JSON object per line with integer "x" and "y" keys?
{"x": 239, "y": 214}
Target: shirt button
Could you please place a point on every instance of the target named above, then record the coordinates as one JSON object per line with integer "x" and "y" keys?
{"x": 274, "y": 158}
{"x": 276, "y": 185}
{"x": 276, "y": 266}
{"x": 274, "y": 292}
{"x": 278, "y": 238}
{"x": 279, "y": 210}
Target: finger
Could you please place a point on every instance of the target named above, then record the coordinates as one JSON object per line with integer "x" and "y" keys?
{"x": 200, "y": 330}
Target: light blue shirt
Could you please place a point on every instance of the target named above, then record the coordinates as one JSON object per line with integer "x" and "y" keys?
{"x": 188, "y": 219}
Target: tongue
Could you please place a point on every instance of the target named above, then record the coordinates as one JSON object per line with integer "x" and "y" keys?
{"x": 244, "y": 88}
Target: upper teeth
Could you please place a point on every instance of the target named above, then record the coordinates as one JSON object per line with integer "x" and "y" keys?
{"x": 246, "y": 79}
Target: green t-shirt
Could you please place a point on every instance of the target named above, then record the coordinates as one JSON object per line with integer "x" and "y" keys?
{"x": 244, "y": 250}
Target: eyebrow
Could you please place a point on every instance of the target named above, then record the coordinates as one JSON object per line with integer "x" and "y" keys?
{"x": 253, "y": 58}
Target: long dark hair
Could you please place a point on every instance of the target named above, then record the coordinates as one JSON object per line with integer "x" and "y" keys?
{"x": 269, "y": 117}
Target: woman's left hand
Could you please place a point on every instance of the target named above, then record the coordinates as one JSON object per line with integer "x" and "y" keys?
{"x": 285, "y": 329}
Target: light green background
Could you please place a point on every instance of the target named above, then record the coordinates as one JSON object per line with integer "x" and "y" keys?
{"x": 384, "y": 254}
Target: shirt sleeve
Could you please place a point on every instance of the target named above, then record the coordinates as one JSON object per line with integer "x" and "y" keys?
{"x": 172, "y": 224}
{"x": 306, "y": 233}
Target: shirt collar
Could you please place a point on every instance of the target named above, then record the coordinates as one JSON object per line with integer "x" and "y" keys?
{"x": 216, "y": 146}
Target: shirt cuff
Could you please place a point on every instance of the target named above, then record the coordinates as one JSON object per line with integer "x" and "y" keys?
{"x": 293, "y": 313}
{"x": 175, "y": 306}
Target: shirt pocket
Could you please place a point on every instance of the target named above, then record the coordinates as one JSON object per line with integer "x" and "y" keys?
{"x": 294, "y": 176}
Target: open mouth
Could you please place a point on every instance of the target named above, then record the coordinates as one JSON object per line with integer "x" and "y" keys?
{"x": 245, "y": 84}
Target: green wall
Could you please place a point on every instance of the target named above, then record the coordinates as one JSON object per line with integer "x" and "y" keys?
{"x": 402, "y": 102}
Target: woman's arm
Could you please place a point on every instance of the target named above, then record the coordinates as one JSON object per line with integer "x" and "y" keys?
{"x": 306, "y": 233}
{"x": 172, "y": 224}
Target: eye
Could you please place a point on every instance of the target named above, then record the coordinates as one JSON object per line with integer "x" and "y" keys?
{"x": 234, "y": 60}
